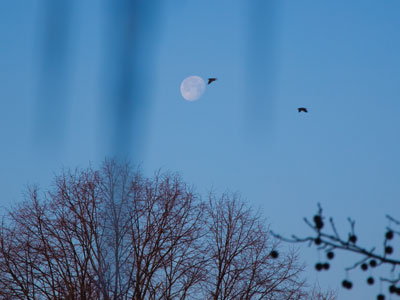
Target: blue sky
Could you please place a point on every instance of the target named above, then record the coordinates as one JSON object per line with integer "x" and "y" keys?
{"x": 340, "y": 59}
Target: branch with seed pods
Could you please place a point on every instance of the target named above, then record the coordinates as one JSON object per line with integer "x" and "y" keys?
{"x": 368, "y": 258}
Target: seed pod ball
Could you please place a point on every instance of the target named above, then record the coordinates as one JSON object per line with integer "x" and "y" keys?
{"x": 330, "y": 255}
{"x": 318, "y": 222}
{"x": 317, "y": 219}
{"x": 372, "y": 263}
{"x": 318, "y": 266}
{"x": 317, "y": 241}
{"x": 364, "y": 267}
{"x": 389, "y": 235}
{"x": 370, "y": 280}
{"x": 274, "y": 254}
{"x": 380, "y": 297}
{"x": 353, "y": 238}
{"x": 347, "y": 284}
{"x": 392, "y": 289}
{"x": 388, "y": 250}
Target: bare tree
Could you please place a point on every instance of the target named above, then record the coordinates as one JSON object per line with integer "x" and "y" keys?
{"x": 47, "y": 247}
{"x": 165, "y": 220}
{"x": 115, "y": 234}
{"x": 242, "y": 264}
{"x": 331, "y": 241}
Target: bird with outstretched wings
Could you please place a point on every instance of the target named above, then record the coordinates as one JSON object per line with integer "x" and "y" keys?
{"x": 211, "y": 80}
{"x": 302, "y": 109}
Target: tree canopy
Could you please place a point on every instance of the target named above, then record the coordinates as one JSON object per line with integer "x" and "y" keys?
{"x": 114, "y": 233}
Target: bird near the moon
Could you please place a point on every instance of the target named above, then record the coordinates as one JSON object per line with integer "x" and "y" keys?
{"x": 192, "y": 88}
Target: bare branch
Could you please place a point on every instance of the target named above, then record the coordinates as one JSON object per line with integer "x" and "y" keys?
{"x": 368, "y": 258}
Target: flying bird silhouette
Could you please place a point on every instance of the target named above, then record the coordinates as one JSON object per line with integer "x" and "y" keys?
{"x": 211, "y": 80}
{"x": 302, "y": 109}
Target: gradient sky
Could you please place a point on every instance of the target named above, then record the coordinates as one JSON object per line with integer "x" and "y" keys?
{"x": 340, "y": 59}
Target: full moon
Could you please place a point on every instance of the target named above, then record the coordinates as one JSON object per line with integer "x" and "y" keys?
{"x": 192, "y": 88}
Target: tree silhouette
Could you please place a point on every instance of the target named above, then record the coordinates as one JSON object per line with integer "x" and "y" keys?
{"x": 115, "y": 234}
{"x": 369, "y": 258}
{"x": 241, "y": 265}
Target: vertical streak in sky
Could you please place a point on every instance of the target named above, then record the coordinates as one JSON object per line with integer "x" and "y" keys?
{"x": 131, "y": 32}
{"x": 55, "y": 41}
{"x": 262, "y": 27}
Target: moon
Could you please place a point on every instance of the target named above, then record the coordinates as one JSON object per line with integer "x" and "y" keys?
{"x": 192, "y": 88}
